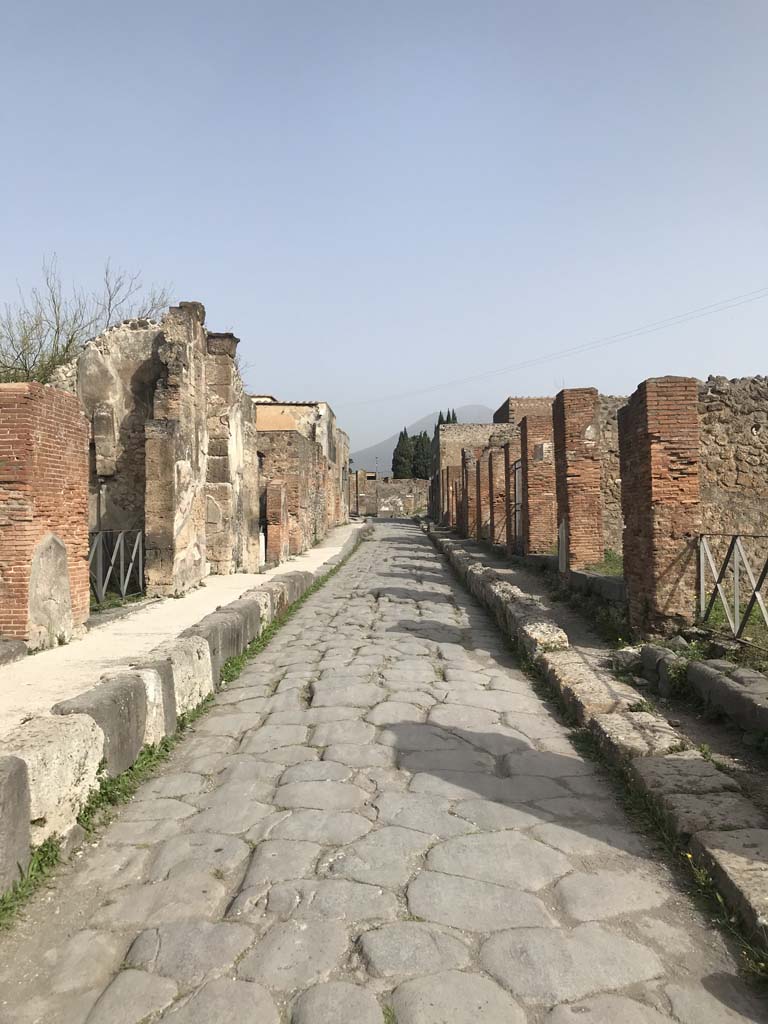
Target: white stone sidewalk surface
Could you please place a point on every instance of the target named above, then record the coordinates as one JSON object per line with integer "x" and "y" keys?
{"x": 380, "y": 816}
{"x": 32, "y": 685}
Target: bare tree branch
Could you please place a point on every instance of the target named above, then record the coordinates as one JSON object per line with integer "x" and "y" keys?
{"x": 47, "y": 327}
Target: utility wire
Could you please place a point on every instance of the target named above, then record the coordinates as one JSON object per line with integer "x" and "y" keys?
{"x": 589, "y": 346}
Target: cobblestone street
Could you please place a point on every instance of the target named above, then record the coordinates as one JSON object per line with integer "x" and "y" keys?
{"x": 378, "y": 821}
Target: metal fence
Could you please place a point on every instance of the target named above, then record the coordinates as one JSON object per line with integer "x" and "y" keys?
{"x": 731, "y": 580}
{"x": 116, "y": 563}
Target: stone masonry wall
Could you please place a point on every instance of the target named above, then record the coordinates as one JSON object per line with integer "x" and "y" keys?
{"x": 610, "y": 471}
{"x": 401, "y": 497}
{"x": 296, "y": 461}
{"x": 733, "y": 421}
{"x": 44, "y": 587}
{"x": 278, "y": 539}
{"x": 513, "y": 409}
{"x": 176, "y": 457}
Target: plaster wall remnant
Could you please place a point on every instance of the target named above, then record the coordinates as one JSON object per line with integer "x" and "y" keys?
{"x": 44, "y": 589}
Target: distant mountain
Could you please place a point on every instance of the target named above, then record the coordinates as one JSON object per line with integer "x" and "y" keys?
{"x": 367, "y": 457}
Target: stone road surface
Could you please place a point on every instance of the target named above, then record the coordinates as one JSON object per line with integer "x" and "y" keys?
{"x": 379, "y": 813}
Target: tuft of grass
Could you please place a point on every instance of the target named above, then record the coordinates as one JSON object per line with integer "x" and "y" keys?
{"x": 389, "y": 1015}
{"x": 44, "y": 859}
{"x": 114, "y": 600}
{"x": 611, "y": 565}
{"x": 111, "y": 792}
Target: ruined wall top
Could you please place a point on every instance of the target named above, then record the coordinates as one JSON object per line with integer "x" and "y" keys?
{"x": 513, "y": 409}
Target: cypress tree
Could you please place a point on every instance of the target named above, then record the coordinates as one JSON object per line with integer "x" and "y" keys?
{"x": 402, "y": 457}
{"x": 440, "y": 419}
{"x": 422, "y": 456}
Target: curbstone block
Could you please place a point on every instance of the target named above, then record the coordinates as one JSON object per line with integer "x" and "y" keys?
{"x": 62, "y": 755}
{"x": 744, "y": 699}
{"x": 737, "y": 861}
{"x": 713, "y": 812}
{"x": 684, "y": 772}
{"x": 225, "y": 633}
{"x": 12, "y": 650}
{"x": 185, "y": 667}
{"x": 634, "y": 734}
{"x": 14, "y": 821}
{"x": 118, "y": 705}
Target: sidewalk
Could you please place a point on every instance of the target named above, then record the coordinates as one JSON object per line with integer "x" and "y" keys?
{"x": 31, "y": 686}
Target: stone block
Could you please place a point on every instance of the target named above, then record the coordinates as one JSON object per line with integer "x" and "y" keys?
{"x": 225, "y": 634}
{"x": 189, "y": 662}
{"x": 746, "y": 704}
{"x": 737, "y": 862}
{"x": 634, "y": 734}
{"x": 583, "y": 691}
{"x": 690, "y": 813}
{"x": 119, "y": 707}
{"x": 649, "y": 656}
{"x": 684, "y": 772}
{"x": 12, "y": 650}
{"x": 62, "y": 755}
{"x": 14, "y": 820}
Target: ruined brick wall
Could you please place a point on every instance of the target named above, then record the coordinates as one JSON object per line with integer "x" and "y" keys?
{"x": 513, "y": 409}
{"x": 176, "y": 457}
{"x": 468, "y": 518}
{"x": 293, "y": 459}
{"x": 610, "y": 471}
{"x": 278, "y": 539}
{"x": 539, "y": 497}
{"x": 497, "y": 501}
{"x": 44, "y": 589}
{"x": 513, "y": 528}
{"x": 578, "y": 469}
{"x": 733, "y": 422}
{"x": 482, "y": 495}
{"x": 659, "y": 450}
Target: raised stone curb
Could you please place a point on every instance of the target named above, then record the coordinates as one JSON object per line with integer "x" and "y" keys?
{"x": 14, "y": 820}
{"x": 724, "y": 832}
{"x": 61, "y": 753}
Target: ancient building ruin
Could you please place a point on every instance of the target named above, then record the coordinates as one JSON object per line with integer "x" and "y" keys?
{"x": 372, "y": 495}
{"x": 149, "y": 434}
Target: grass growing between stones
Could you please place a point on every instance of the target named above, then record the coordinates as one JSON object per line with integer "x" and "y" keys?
{"x": 118, "y": 790}
{"x": 44, "y": 859}
{"x": 389, "y": 1015}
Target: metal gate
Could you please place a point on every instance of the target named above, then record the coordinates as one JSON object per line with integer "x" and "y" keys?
{"x": 734, "y": 581}
{"x": 116, "y": 563}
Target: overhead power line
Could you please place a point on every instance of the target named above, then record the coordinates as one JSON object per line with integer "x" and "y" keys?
{"x": 588, "y": 346}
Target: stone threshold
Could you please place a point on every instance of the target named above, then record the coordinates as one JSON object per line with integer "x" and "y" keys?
{"x": 50, "y": 764}
{"x": 723, "y": 832}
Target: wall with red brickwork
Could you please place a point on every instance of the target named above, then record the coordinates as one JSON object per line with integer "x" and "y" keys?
{"x": 659, "y": 448}
{"x": 497, "y": 500}
{"x": 278, "y": 539}
{"x": 575, "y": 418}
{"x": 44, "y": 589}
{"x": 539, "y": 512}
{"x": 469, "y": 494}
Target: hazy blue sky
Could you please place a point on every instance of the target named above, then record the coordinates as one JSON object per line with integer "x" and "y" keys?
{"x": 381, "y": 196}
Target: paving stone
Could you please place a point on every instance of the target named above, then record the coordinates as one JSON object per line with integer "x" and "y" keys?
{"x": 606, "y": 1010}
{"x": 198, "y": 852}
{"x": 226, "y": 1002}
{"x": 552, "y": 766}
{"x": 362, "y": 695}
{"x": 233, "y": 724}
{"x": 229, "y": 794}
{"x": 332, "y": 899}
{"x": 111, "y": 867}
{"x": 229, "y": 819}
{"x": 139, "y": 833}
{"x": 457, "y": 716}
{"x": 328, "y": 828}
{"x": 246, "y": 767}
{"x": 506, "y": 858}
{"x": 410, "y": 947}
{"x": 720, "y": 1002}
{"x": 454, "y": 998}
{"x": 295, "y": 954}
{"x": 391, "y": 712}
{"x": 270, "y": 737}
{"x": 468, "y": 785}
{"x": 460, "y": 759}
{"x": 471, "y": 905}
{"x": 191, "y": 895}
{"x": 276, "y": 860}
{"x": 286, "y": 756}
{"x": 582, "y": 809}
{"x": 336, "y": 1002}
{"x": 387, "y": 857}
{"x": 317, "y": 771}
{"x": 87, "y": 960}
{"x": 342, "y": 732}
{"x": 492, "y": 816}
{"x": 189, "y": 951}
{"x": 410, "y": 736}
{"x": 159, "y": 809}
{"x": 322, "y": 796}
{"x": 591, "y": 840}
{"x": 423, "y": 813}
{"x": 544, "y": 965}
{"x": 359, "y": 755}
{"x": 132, "y": 997}
{"x": 598, "y": 895}
{"x": 316, "y": 716}
{"x": 178, "y": 784}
